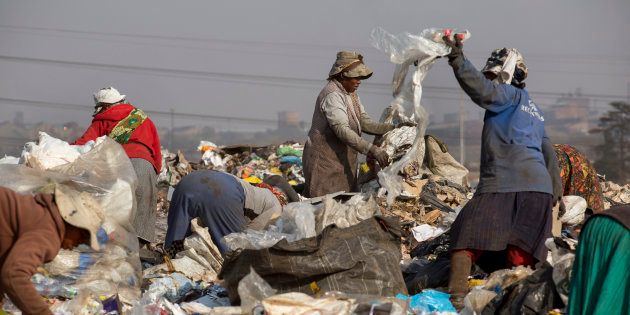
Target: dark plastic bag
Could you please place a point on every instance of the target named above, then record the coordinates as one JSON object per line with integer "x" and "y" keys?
{"x": 423, "y": 274}
{"x": 535, "y": 294}
{"x": 361, "y": 259}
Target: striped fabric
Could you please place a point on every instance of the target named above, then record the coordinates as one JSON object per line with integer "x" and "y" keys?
{"x": 492, "y": 221}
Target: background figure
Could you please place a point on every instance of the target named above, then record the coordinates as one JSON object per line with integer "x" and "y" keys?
{"x": 138, "y": 136}
{"x": 600, "y": 279}
{"x": 339, "y": 119}
{"x": 579, "y": 177}
{"x": 224, "y": 203}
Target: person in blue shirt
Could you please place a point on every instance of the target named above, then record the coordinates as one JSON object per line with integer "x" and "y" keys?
{"x": 510, "y": 213}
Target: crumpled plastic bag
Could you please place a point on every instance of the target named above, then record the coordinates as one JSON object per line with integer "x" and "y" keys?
{"x": 562, "y": 262}
{"x": 425, "y": 232}
{"x": 575, "y": 209}
{"x": 302, "y": 220}
{"x": 476, "y": 300}
{"x": 406, "y": 50}
{"x": 50, "y": 152}
{"x": 429, "y": 302}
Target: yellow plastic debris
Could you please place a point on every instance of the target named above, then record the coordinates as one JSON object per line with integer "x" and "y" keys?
{"x": 364, "y": 168}
{"x": 253, "y": 180}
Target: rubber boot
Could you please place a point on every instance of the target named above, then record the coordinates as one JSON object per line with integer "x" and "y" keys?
{"x": 458, "y": 281}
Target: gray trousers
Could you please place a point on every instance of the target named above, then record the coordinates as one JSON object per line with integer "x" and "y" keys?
{"x": 146, "y": 199}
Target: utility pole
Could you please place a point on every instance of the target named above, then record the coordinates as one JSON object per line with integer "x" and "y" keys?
{"x": 170, "y": 139}
{"x": 462, "y": 118}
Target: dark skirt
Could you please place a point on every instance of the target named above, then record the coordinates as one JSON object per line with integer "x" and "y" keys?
{"x": 492, "y": 221}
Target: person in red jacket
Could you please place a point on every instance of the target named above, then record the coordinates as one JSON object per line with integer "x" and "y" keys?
{"x": 130, "y": 126}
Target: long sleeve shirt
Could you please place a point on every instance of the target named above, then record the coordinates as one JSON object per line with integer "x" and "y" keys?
{"x": 338, "y": 115}
{"x": 31, "y": 231}
{"x": 512, "y": 136}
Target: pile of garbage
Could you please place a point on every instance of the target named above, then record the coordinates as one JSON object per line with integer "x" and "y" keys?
{"x": 383, "y": 250}
{"x": 252, "y": 164}
{"x": 615, "y": 194}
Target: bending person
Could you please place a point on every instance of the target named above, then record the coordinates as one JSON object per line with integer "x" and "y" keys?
{"x": 33, "y": 228}
{"x": 339, "y": 119}
{"x": 579, "y": 177}
{"x": 224, "y": 203}
{"x": 511, "y": 210}
{"x": 130, "y": 126}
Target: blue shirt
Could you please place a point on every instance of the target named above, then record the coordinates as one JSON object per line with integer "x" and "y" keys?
{"x": 513, "y": 134}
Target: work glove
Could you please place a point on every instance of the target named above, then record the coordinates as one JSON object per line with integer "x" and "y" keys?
{"x": 457, "y": 47}
{"x": 406, "y": 124}
{"x": 380, "y": 155}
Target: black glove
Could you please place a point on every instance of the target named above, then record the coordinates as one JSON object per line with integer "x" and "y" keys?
{"x": 457, "y": 47}
{"x": 406, "y": 124}
{"x": 380, "y": 155}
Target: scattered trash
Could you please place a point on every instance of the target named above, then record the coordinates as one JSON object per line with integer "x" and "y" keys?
{"x": 429, "y": 302}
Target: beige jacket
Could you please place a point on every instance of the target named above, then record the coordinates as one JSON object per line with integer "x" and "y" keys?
{"x": 330, "y": 153}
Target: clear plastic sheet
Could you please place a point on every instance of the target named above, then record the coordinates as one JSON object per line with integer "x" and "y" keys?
{"x": 302, "y": 220}
{"x": 104, "y": 178}
{"x": 407, "y": 50}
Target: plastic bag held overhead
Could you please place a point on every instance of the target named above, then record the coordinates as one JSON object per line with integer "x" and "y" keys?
{"x": 407, "y": 50}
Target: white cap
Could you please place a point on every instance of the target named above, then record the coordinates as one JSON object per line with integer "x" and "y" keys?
{"x": 108, "y": 95}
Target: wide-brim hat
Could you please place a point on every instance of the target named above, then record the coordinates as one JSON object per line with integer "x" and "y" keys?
{"x": 350, "y": 64}
{"x": 80, "y": 210}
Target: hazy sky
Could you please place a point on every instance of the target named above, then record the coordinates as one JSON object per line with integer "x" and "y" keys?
{"x": 254, "y": 58}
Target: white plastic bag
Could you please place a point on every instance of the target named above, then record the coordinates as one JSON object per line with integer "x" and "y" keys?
{"x": 406, "y": 50}
{"x": 575, "y": 208}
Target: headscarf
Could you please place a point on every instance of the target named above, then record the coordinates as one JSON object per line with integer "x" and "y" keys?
{"x": 351, "y": 64}
{"x": 508, "y": 65}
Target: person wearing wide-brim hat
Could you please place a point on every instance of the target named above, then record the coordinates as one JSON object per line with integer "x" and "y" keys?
{"x": 339, "y": 119}
{"x": 33, "y": 228}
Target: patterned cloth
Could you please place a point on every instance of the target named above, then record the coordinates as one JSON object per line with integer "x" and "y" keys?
{"x": 508, "y": 65}
{"x": 276, "y": 192}
{"x": 494, "y": 221}
{"x": 579, "y": 178}
{"x": 123, "y": 130}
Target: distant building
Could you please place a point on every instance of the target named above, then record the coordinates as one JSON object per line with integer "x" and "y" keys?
{"x": 288, "y": 120}
{"x": 572, "y": 112}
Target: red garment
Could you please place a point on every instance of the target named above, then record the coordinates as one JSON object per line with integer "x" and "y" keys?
{"x": 515, "y": 256}
{"x": 144, "y": 142}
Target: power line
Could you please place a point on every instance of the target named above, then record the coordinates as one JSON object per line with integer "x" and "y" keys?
{"x": 68, "y": 106}
{"x": 246, "y": 78}
{"x": 542, "y": 56}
